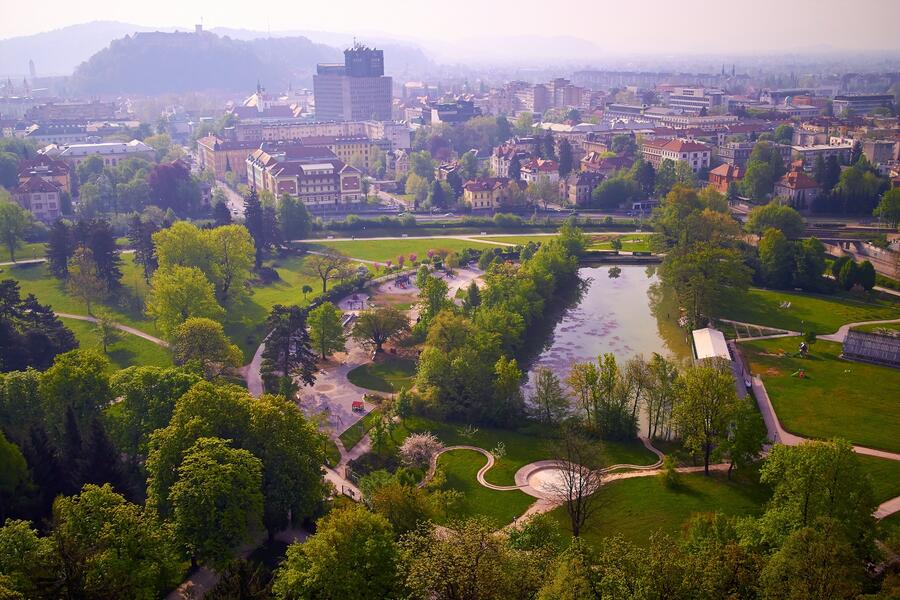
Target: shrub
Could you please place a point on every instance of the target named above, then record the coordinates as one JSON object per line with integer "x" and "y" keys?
{"x": 418, "y": 449}
{"x": 670, "y": 476}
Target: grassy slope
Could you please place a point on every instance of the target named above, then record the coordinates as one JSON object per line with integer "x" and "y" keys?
{"x": 837, "y": 398}
{"x": 819, "y": 313}
{"x": 522, "y": 447}
{"x": 884, "y": 475}
{"x": 460, "y": 468}
{"x": 129, "y": 350}
{"x": 635, "y": 508}
{"x": 388, "y": 375}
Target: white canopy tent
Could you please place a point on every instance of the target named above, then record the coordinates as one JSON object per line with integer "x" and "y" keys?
{"x": 710, "y": 343}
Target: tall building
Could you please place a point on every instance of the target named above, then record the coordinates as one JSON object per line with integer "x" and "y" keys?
{"x": 356, "y": 90}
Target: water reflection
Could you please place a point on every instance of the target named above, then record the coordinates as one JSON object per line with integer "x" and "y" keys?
{"x": 628, "y": 314}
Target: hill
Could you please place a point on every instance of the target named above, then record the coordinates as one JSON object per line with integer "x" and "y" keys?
{"x": 159, "y": 62}
{"x": 59, "y": 51}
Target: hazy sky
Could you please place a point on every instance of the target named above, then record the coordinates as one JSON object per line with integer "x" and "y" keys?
{"x": 629, "y": 25}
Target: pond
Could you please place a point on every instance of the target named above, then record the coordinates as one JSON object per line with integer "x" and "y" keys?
{"x": 626, "y": 315}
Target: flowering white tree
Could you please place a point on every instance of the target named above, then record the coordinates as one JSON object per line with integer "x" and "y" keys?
{"x": 418, "y": 449}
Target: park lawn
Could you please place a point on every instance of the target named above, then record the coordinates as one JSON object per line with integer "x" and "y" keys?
{"x": 889, "y": 530}
{"x": 837, "y": 398}
{"x": 126, "y": 308}
{"x": 332, "y": 454}
{"x": 884, "y": 475}
{"x": 808, "y": 312}
{"x": 631, "y": 242}
{"x": 351, "y": 436}
{"x": 874, "y": 328}
{"x": 390, "y": 374}
{"x": 636, "y": 508}
{"x": 460, "y": 468}
{"x": 128, "y": 351}
{"x": 518, "y": 240}
{"x": 521, "y": 447}
{"x": 385, "y": 250}
{"x": 26, "y": 251}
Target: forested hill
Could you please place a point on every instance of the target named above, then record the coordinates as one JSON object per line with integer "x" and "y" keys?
{"x": 153, "y": 63}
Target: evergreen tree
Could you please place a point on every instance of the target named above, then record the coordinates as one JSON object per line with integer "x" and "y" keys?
{"x": 254, "y": 221}
{"x": 60, "y": 247}
{"x": 46, "y": 469}
{"x": 515, "y": 168}
{"x": 436, "y": 197}
{"x": 271, "y": 230}
{"x": 565, "y": 158}
{"x": 140, "y": 236}
{"x": 288, "y": 352}
{"x": 101, "y": 460}
{"x": 97, "y": 236}
{"x": 221, "y": 214}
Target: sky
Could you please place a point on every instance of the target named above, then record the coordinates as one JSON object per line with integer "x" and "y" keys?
{"x": 644, "y": 26}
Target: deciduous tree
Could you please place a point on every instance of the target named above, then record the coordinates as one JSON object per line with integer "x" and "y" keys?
{"x": 178, "y": 293}
{"x": 326, "y": 333}
{"x": 377, "y": 326}
{"x": 203, "y": 341}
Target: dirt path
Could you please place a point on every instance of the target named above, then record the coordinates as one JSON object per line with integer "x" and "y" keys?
{"x": 118, "y": 326}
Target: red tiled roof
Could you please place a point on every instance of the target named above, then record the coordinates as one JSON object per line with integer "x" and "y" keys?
{"x": 36, "y": 185}
{"x": 485, "y": 184}
{"x": 726, "y": 170}
{"x": 797, "y": 180}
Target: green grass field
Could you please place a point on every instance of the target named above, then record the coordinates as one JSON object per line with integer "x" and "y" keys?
{"x": 889, "y": 327}
{"x": 36, "y": 279}
{"x": 808, "y": 312}
{"x": 522, "y": 447}
{"x": 635, "y": 508}
{"x": 837, "y": 398}
{"x": 384, "y": 250}
{"x": 884, "y": 475}
{"x": 389, "y": 375}
{"x": 460, "y": 468}
{"x": 26, "y": 251}
{"x": 356, "y": 432}
{"x": 518, "y": 240}
{"x": 129, "y": 350}
{"x": 889, "y": 530}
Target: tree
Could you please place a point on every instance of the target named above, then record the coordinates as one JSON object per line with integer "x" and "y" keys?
{"x": 473, "y": 297}
{"x": 784, "y": 134}
{"x": 809, "y": 264}
{"x": 848, "y": 276}
{"x": 418, "y": 449}
{"x": 60, "y": 248}
{"x": 110, "y": 548}
{"x": 107, "y": 331}
{"x": 147, "y": 399}
{"x": 508, "y": 400}
{"x": 377, "y": 326}
{"x": 97, "y": 236}
{"x": 352, "y": 555}
{"x": 578, "y": 461}
{"x": 84, "y": 281}
{"x": 223, "y": 254}
{"x": 172, "y": 187}
{"x": 326, "y": 333}
{"x": 615, "y": 192}
{"x": 813, "y": 563}
{"x": 203, "y": 342}
{"x": 140, "y": 236}
{"x": 514, "y": 170}
{"x": 288, "y": 351}
{"x": 468, "y": 560}
{"x": 78, "y": 380}
{"x": 566, "y": 159}
{"x": 549, "y": 398}
{"x": 747, "y": 437}
{"x": 254, "y": 221}
{"x": 645, "y": 176}
{"x": 705, "y": 411}
{"x": 544, "y": 191}
{"x": 866, "y": 275}
{"x": 179, "y": 293}
{"x": 326, "y": 266}
{"x": 307, "y": 290}
{"x": 776, "y": 259}
{"x": 32, "y": 333}
{"x": 888, "y": 209}
{"x": 295, "y": 220}
{"x": 764, "y": 168}
{"x": 15, "y": 222}
{"x": 783, "y": 218}
{"x": 216, "y": 500}
{"x": 89, "y": 169}
{"x": 15, "y": 480}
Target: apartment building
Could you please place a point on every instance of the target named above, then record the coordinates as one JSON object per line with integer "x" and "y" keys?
{"x": 694, "y": 154}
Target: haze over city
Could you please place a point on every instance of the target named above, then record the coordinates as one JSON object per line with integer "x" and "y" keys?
{"x": 506, "y": 300}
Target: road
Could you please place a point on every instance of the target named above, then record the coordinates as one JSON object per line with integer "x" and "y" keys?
{"x": 233, "y": 199}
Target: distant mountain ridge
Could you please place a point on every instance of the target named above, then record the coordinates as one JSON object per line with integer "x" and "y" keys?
{"x": 162, "y": 62}
{"x": 62, "y": 51}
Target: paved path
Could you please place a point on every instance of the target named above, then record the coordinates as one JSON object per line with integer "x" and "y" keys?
{"x": 841, "y": 334}
{"x": 118, "y": 326}
{"x": 253, "y": 372}
{"x": 472, "y": 237}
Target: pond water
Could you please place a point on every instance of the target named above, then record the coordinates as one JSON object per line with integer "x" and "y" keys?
{"x": 625, "y": 315}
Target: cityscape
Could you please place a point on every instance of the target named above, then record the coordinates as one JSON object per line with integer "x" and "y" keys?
{"x": 503, "y": 302}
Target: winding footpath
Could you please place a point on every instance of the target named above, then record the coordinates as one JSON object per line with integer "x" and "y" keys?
{"x": 118, "y": 326}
